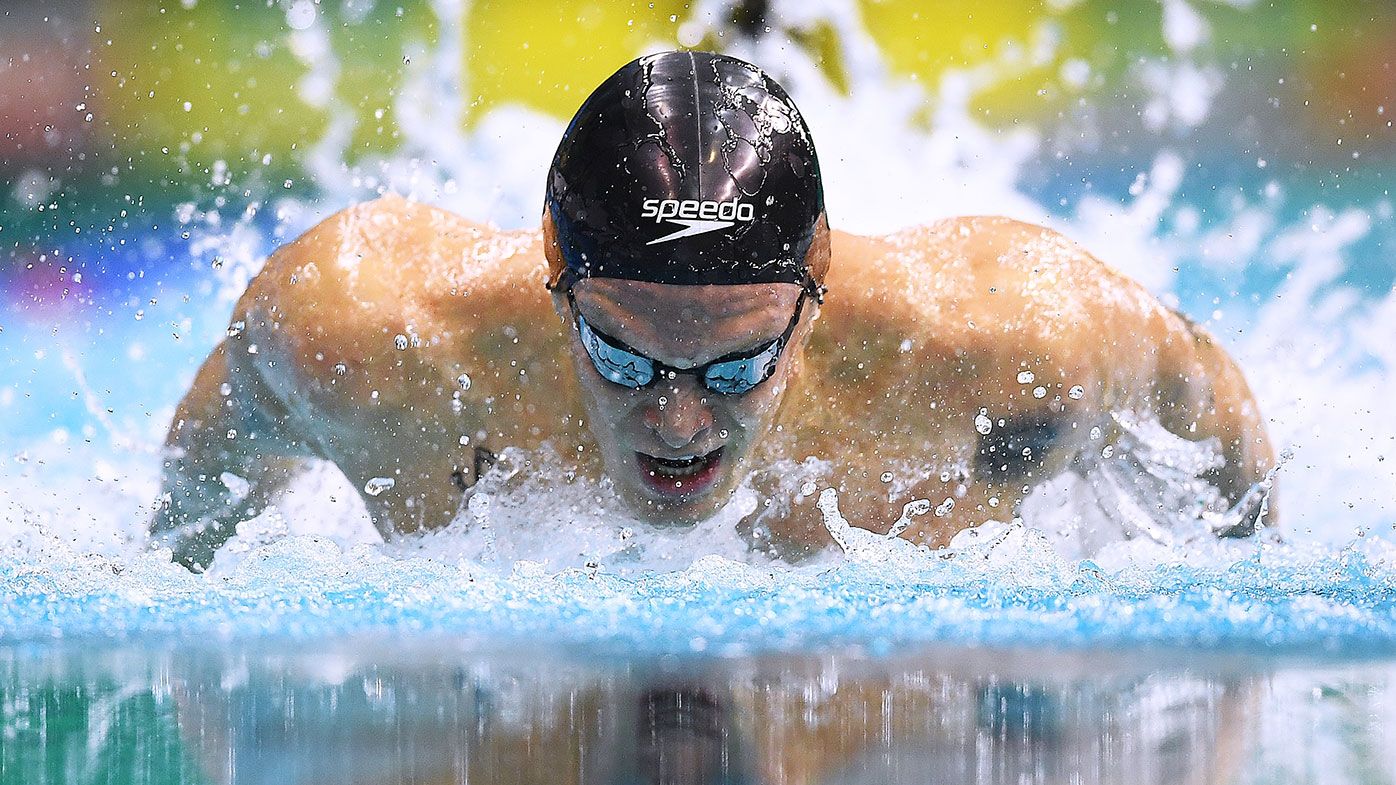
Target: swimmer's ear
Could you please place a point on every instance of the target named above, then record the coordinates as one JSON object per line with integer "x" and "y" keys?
{"x": 552, "y": 250}
{"x": 817, "y": 257}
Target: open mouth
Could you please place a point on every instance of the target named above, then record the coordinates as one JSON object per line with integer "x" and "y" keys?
{"x": 677, "y": 477}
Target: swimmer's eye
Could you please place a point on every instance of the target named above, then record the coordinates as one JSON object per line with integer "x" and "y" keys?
{"x": 617, "y": 365}
{"x": 733, "y": 374}
{"x": 735, "y": 377}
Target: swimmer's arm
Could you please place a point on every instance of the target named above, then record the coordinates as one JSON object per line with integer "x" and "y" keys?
{"x": 229, "y": 450}
{"x": 1201, "y": 393}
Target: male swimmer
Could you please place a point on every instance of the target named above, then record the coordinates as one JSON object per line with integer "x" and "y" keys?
{"x": 699, "y": 321}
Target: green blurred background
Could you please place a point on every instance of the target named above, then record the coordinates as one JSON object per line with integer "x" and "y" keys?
{"x": 114, "y": 104}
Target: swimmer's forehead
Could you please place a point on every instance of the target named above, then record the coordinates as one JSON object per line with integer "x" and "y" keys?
{"x": 687, "y": 324}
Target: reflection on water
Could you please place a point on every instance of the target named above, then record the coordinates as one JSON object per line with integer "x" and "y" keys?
{"x": 439, "y": 712}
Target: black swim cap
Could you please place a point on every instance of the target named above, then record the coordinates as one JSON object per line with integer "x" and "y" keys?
{"x": 686, "y": 168}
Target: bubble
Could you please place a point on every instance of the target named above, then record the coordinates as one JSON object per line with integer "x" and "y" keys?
{"x": 340, "y": 369}
{"x": 225, "y": 389}
{"x": 1096, "y": 432}
{"x": 1039, "y": 392}
{"x": 808, "y": 488}
{"x": 722, "y": 434}
{"x": 1025, "y": 377}
{"x": 886, "y": 477}
{"x": 982, "y": 423}
{"x": 378, "y": 485}
{"x": 464, "y": 381}
{"x": 943, "y": 509}
{"x": 235, "y": 329}
{"x": 1108, "y": 452}
{"x": 1076, "y": 392}
{"x": 400, "y": 341}
{"x": 301, "y": 15}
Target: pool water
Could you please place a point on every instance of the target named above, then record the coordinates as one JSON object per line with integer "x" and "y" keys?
{"x": 426, "y": 709}
{"x": 545, "y": 637}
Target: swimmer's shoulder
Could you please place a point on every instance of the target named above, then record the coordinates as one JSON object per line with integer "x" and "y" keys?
{"x": 968, "y": 257}
{"x": 990, "y": 244}
{"x": 377, "y": 273}
{"x": 394, "y": 247}
{"x": 985, "y": 286}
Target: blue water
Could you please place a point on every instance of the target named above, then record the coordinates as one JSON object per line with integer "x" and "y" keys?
{"x": 1269, "y": 601}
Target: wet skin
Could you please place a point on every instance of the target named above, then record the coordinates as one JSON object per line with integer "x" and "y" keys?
{"x": 921, "y": 332}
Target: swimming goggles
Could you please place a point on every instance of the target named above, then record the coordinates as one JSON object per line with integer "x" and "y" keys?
{"x": 730, "y": 374}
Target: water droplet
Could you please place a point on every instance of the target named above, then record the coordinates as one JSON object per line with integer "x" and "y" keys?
{"x": 1025, "y": 377}
{"x": 1039, "y": 392}
{"x": 340, "y": 369}
{"x": 982, "y": 423}
{"x": 1076, "y": 392}
{"x": 464, "y": 381}
{"x": 722, "y": 434}
{"x": 232, "y": 433}
{"x": 993, "y": 501}
{"x": 377, "y": 485}
{"x": 464, "y": 440}
{"x": 400, "y": 341}
{"x": 1108, "y": 452}
{"x": 886, "y": 477}
{"x": 943, "y": 509}
{"x": 225, "y": 389}
{"x": 1096, "y": 432}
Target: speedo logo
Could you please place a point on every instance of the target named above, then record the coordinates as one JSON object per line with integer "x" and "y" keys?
{"x": 697, "y": 216}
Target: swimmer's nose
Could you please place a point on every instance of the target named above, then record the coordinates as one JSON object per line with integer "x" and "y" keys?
{"x": 678, "y": 415}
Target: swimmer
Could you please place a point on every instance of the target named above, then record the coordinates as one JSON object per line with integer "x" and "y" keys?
{"x": 684, "y": 319}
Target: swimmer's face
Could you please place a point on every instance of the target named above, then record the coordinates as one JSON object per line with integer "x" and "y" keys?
{"x": 675, "y": 449}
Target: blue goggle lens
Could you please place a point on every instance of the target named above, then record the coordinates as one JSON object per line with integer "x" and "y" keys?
{"x": 735, "y": 377}
{"x": 622, "y": 366}
{"x": 616, "y": 364}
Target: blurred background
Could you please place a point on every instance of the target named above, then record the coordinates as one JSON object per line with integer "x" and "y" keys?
{"x": 114, "y": 112}
{"x": 152, "y": 153}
